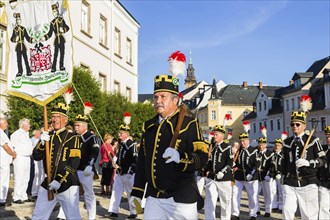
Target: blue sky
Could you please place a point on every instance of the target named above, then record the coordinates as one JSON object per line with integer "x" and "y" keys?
{"x": 233, "y": 41}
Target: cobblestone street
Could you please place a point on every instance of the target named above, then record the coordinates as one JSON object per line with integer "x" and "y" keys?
{"x": 24, "y": 211}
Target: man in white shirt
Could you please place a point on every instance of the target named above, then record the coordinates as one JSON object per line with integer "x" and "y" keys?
{"x": 23, "y": 148}
{"x": 39, "y": 173}
{"x": 6, "y": 156}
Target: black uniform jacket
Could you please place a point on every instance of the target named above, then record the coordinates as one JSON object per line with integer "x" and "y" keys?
{"x": 324, "y": 172}
{"x": 221, "y": 160}
{"x": 292, "y": 151}
{"x": 167, "y": 180}
{"x": 247, "y": 163}
{"x": 68, "y": 159}
{"x": 265, "y": 159}
{"x": 89, "y": 146}
{"x": 127, "y": 157}
{"x": 276, "y": 164}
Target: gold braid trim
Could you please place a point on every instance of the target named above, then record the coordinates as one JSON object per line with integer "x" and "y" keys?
{"x": 63, "y": 178}
{"x": 200, "y": 146}
{"x": 75, "y": 153}
{"x": 138, "y": 189}
{"x": 38, "y": 147}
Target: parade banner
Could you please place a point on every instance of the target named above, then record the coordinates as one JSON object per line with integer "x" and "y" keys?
{"x": 40, "y": 62}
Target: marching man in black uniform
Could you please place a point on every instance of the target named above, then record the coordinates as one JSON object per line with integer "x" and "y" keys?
{"x": 324, "y": 180}
{"x": 89, "y": 146}
{"x": 264, "y": 177}
{"x": 59, "y": 27}
{"x": 245, "y": 176}
{"x": 172, "y": 191}
{"x": 125, "y": 163}
{"x": 300, "y": 174}
{"x": 65, "y": 155}
{"x": 220, "y": 166}
{"x": 276, "y": 173}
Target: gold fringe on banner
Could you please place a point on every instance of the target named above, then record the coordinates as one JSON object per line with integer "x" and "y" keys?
{"x": 3, "y": 18}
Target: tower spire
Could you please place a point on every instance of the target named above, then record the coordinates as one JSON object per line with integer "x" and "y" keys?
{"x": 190, "y": 79}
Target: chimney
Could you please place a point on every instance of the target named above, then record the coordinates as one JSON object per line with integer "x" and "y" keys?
{"x": 260, "y": 85}
{"x": 291, "y": 82}
{"x": 245, "y": 84}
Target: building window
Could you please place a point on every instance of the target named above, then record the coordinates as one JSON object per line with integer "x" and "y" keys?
{"x": 116, "y": 86}
{"x": 85, "y": 17}
{"x": 128, "y": 51}
{"x": 271, "y": 125}
{"x": 287, "y": 107}
{"x": 213, "y": 115}
{"x": 245, "y": 113}
{"x": 103, "y": 30}
{"x": 84, "y": 66}
{"x": 298, "y": 102}
{"x": 313, "y": 123}
{"x": 254, "y": 128}
{"x": 117, "y": 42}
{"x": 292, "y": 103}
{"x": 103, "y": 82}
{"x": 278, "y": 124}
{"x": 259, "y": 106}
{"x": 2, "y": 51}
{"x": 265, "y": 105}
{"x": 323, "y": 123}
{"x": 129, "y": 93}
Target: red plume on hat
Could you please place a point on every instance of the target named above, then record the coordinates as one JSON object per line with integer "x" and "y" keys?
{"x": 88, "y": 107}
{"x": 246, "y": 126}
{"x": 177, "y": 62}
{"x": 306, "y": 103}
{"x": 68, "y": 96}
{"x": 127, "y": 118}
{"x": 227, "y": 119}
{"x": 263, "y": 131}
{"x": 284, "y": 135}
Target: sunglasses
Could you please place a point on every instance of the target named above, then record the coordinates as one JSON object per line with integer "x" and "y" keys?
{"x": 295, "y": 124}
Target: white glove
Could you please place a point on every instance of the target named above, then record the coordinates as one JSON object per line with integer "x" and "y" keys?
{"x": 88, "y": 170}
{"x": 267, "y": 178}
{"x": 172, "y": 155}
{"x": 44, "y": 137}
{"x": 278, "y": 176}
{"x": 248, "y": 177}
{"x": 302, "y": 163}
{"x": 220, "y": 175}
{"x": 54, "y": 185}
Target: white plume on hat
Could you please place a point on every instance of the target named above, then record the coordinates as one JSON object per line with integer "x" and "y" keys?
{"x": 263, "y": 131}
{"x": 88, "y": 107}
{"x": 284, "y": 135}
{"x": 127, "y": 118}
{"x": 306, "y": 103}
{"x": 246, "y": 126}
{"x": 177, "y": 61}
{"x": 68, "y": 96}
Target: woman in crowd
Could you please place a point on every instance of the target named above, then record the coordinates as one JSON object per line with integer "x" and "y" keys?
{"x": 107, "y": 153}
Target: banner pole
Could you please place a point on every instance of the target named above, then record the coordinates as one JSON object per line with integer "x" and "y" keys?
{"x": 50, "y": 193}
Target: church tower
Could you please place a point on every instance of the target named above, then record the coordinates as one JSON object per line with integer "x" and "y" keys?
{"x": 190, "y": 79}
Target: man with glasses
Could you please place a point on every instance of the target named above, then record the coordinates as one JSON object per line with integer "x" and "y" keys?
{"x": 300, "y": 171}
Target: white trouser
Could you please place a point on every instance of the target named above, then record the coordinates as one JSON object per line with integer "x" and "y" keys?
{"x": 39, "y": 176}
{"x": 89, "y": 196}
{"x": 4, "y": 181}
{"x": 307, "y": 199}
{"x": 22, "y": 166}
{"x": 200, "y": 183}
{"x": 213, "y": 190}
{"x": 121, "y": 183}
{"x": 324, "y": 202}
{"x": 277, "y": 194}
{"x": 169, "y": 209}
{"x": 69, "y": 201}
{"x": 265, "y": 187}
{"x": 252, "y": 193}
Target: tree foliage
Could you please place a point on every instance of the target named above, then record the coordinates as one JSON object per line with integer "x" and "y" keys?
{"x": 107, "y": 114}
